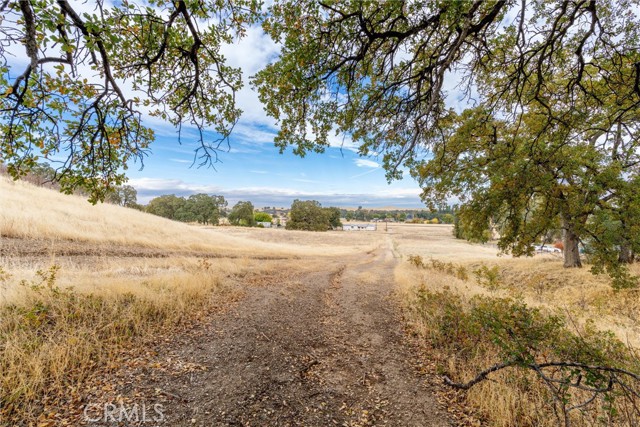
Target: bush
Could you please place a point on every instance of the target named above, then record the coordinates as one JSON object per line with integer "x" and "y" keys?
{"x": 488, "y": 277}
{"x": 449, "y": 268}
{"x": 559, "y": 376}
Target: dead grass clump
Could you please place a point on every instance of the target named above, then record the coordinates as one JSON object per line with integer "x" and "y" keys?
{"x": 52, "y": 337}
{"x": 459, "y": 271}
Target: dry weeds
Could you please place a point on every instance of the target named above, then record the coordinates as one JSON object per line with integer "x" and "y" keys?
{"x": 52, "y": 336}
{"x": 509, "y": 399}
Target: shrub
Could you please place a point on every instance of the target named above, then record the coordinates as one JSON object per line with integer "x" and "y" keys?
{"x": 560, "y": 377}
{"x": 488, "y": 277}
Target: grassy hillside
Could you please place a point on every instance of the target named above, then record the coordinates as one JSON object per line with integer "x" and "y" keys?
{"x": 109, "y": 277}
{"x": 39, "y": 213}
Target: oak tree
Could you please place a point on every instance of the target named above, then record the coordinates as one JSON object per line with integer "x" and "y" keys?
{"x": 552, "y": 88}
{"x": 262, "y": 217}
{"x": 308, "y": 215}
{"x": 123, "y": 195}
{"x": 242, "y": 214}
{"x": 167, "y": 206}
{"x": 92, "y": 73}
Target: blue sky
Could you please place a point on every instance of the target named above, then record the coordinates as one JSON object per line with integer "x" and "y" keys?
{"x": 253, "y": 169}
{"x": 257, "y": 172}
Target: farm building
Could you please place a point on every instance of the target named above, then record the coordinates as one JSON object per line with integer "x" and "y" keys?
{"x": 359, "y": 227}
{"x": 264, "y": 224}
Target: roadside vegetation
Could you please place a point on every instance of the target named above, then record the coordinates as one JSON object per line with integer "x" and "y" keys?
{"x": 52, "y": 337}
{"x": 526, "y": 342}
{"x": 525, "y": 367}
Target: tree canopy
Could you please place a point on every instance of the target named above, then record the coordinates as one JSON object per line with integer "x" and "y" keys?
{"x": 93, "y": 73}
{"x": 123, "y": 195}
{"x": 552, "y": 88}
{"x": 200, "y": 208}
{"x": 309, "y": 215}
{"x": 262, "y": 217}
{"x": 242, "y": 214}
{"x": 378, "y": 70}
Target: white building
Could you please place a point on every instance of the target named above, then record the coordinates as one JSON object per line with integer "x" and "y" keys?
{"x": 359, "y": 227}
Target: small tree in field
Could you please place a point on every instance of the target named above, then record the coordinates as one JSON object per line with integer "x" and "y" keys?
{"x": 123, "y": 195}
{"x": 262, "y": 217}
{"x": 308, "y": 215}
{"x": 334, "y": 217}
{"x": 242, "y": 214}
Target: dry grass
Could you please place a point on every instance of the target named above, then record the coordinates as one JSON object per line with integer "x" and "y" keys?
{"x": 52, "y": 336}
{"x": 436, "y": 241}
{"x": 61, "y": 317}
{"x": 540, "y": 281}
{"x": 330, "y": 242}
{"x": 55, "y": 331}
{"x": 513, "y": 398}
{"x": 34, "y": 212}
{"x": 58, "y": 324}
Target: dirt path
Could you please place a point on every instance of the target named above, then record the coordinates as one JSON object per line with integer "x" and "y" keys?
{"x": 325, "y": 348}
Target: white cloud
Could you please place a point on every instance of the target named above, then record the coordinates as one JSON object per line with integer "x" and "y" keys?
{"x": 251, "y": 53}
{"x": 364, "y": 163}
{"x": 235, "y": 149}
{"x": 342, "y": 141}
{"x": 253, "y": 133}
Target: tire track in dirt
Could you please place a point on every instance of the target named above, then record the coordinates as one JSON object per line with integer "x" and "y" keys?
{"x": 322, "y": 348}
{"x": 366, "y": 334}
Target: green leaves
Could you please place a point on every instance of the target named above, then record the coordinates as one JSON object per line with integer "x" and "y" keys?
{"x": 242, "y": 214}
{"x": 309, "y": 215}
{"x": 70, "y": 104}
{"x": 552, "y": 135}
{"x": 201, "y": 208}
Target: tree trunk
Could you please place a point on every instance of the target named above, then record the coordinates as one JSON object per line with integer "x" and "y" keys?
{"x": 626, "y": 255}
{"x": 571, "y": 249}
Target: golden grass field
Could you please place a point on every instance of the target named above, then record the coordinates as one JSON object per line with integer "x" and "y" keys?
{"x": 540, "y": 280}
{"x": 40, "y": 213}
{"x": 58, "y": 323}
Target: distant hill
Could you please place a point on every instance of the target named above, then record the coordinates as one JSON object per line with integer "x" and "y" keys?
{"x": 31, "y": 212}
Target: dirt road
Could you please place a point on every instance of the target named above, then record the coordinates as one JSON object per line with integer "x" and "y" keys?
{"x": 322, "y": 348}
